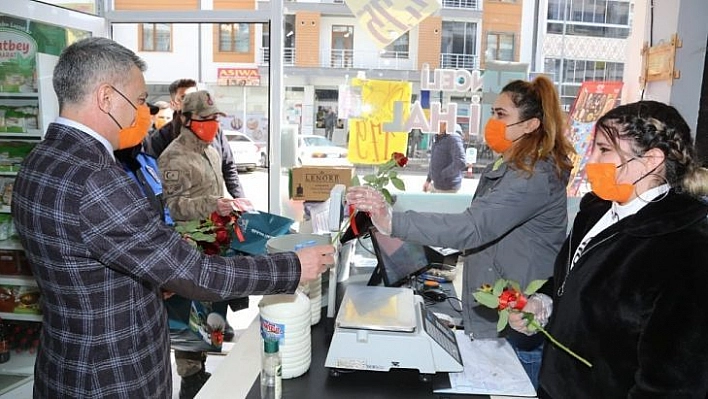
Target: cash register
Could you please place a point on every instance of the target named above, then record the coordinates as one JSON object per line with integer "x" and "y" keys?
{"x": 384, "y": 327}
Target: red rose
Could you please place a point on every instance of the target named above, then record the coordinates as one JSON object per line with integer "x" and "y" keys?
{"x": 216, "y": 219}
{"x": 511, "y": 298}
{"x": 211, "y": 248}
{"x": 401, "y": 160}
{"x": 222, "y": 237}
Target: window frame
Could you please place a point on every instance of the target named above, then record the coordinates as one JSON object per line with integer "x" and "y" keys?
{"x": 155, "y": 39}
{"x": 497, "y": 49}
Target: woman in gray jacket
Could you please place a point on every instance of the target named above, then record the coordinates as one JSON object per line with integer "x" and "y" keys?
{"x": 517, "y": 220}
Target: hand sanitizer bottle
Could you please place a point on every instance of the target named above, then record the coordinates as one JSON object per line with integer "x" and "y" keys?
{"x": 271, "y": 371}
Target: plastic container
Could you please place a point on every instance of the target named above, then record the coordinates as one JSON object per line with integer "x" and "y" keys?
{"x": 271, "y": 371}
{"x": 286, "y": 318}
{"x": 293, "y": 242}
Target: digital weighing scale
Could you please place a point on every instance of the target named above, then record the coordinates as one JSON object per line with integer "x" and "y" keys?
{"x": 380, "y": 328}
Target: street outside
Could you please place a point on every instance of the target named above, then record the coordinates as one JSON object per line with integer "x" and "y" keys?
{"x": 255, "y": 185}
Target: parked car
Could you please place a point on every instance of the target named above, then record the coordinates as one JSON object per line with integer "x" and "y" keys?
{"x": 314, "y": 150}
{"x": 247, "y": 154}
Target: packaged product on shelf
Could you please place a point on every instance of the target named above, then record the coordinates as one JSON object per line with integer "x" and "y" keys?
{"x": 12, "y": 153}
{"x": 6, "y": 185}
{"x": 20, "y": 299}
{"x": 27, "y": 300}
{"x": 31, "y": 119}
{"x": 9, "y": 262}
{"x": 14, "y": 121}
{"x": 6, "y": 227}
{"x": 22, "y": 335}
{"x": 7, "y": 299}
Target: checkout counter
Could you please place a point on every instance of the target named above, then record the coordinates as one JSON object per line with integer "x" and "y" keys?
{"x": 238, "y": 374}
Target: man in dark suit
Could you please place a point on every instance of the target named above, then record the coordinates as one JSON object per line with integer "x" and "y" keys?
{"x": 99, "y": 251}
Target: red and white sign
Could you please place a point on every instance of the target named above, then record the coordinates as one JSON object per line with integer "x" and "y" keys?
{"x": 238, "y": 77}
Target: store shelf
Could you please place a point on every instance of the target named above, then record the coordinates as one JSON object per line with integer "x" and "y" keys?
{"x": 11, "y": 245}
{"x": 27, "y": 281}
{"x": 5, "y": 209}
{"x": 20, "y": 316}
{"x": 8, "y": 173}
{"x": 33, "y": 94}
{"x": 31, "y": 134}
{"x": 19, "y": 364}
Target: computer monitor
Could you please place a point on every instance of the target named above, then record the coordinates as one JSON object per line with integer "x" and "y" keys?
{"x": 398, "y": 260}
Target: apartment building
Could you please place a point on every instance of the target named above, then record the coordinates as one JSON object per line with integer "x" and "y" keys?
{"x": 581, "y": 40}
{"x": 325, "y": 47}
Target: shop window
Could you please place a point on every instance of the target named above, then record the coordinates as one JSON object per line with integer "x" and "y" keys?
{"x": 155, "y": 37}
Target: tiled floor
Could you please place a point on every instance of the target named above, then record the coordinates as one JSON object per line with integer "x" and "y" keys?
{"x": 239, "y": 321}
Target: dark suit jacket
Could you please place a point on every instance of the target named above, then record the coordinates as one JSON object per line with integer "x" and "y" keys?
{"x": 100, "y": 254}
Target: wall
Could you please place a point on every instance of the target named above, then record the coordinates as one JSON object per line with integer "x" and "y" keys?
{"x": 184, "y": 47}
{"x": 687, "y": 19}
{"x": 429, "y": 37}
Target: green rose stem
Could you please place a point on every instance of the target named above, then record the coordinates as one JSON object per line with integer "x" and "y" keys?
{"x": 538, "y": 327}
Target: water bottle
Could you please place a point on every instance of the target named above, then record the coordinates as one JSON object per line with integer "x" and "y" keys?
{"x": 271, "y": 371}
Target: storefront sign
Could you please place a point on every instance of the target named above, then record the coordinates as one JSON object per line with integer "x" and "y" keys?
{"x": 238, "y": 77}
{"x": 455, "y": 80}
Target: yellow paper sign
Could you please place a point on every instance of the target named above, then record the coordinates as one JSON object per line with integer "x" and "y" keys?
{"x": 368, "y": 142}
{"x": 387, "y": 20}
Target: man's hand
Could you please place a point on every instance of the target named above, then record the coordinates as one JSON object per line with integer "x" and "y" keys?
{"x": 314, "y": 261}
{"x": 224, "y": 206}
{"x": 242, "y": 205}
{"x": 427, "y": 186}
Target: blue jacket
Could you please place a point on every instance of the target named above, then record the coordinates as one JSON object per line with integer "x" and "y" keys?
{"x": 143, "y": 169}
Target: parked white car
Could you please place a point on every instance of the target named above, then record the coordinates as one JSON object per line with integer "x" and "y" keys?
{"x": 247, "y": 154}
{"x": 314, "y": 150}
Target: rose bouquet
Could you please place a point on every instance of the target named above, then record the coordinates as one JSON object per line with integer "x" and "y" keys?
{"x": 211, "y": 236}
{"x": 506, "y": 296}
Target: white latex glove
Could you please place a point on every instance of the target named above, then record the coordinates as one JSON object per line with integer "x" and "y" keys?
{"x": 540, "y": 305}
{"x": 368, "y": 199}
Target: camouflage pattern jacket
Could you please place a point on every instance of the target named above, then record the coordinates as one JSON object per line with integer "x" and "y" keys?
{"x": 191, "y": 177}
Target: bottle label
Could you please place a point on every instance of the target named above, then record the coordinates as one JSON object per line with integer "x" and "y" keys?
{"x": 271, "y": 330}
{"x": 279, "y": 382}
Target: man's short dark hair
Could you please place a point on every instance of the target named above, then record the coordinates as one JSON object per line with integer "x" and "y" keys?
{"x": 181, "y": 84}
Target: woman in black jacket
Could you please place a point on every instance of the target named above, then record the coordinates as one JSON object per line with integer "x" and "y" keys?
{"x": 629, "y": 287}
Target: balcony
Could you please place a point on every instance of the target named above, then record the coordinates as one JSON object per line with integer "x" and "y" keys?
{"x": 462, "y": 4}
{"x": 395, "y": 60}
{"x": 264, "y": 56}
{"x": 392, "y": 60}
{"x": 459, "y": 61}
